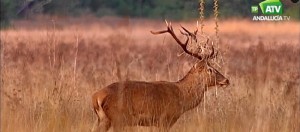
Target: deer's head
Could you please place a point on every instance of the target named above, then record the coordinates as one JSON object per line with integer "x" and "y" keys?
{"x": 206, "y": 74}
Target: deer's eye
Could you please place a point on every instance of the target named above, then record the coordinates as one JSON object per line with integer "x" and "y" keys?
{"x": 195, "y": 38}
{"x": 210, "y": 71}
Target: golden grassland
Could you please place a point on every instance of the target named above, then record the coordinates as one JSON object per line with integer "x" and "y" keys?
{"x": 51, "y": 67}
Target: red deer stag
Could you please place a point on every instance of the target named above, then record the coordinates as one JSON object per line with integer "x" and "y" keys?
{"x": 160, "y": 104}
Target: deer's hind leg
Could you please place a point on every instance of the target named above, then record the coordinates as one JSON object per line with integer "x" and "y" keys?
{"x": 118, "y": 125}
{"x": 101, "y": 126}
{"x": 103, "y": 123}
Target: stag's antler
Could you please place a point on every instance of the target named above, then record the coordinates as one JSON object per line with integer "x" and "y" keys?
{"x": 184, "y": 45}
{"x": 188, "y": 33}
{"x": 171, "y": 31}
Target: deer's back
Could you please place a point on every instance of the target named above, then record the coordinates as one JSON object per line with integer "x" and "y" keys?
{"x": 142, "y": 103}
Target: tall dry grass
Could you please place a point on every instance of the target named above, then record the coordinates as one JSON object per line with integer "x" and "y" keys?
{"x": 51, "y": 68}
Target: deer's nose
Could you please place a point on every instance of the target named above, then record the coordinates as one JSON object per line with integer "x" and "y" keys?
{"x": 225, "y": 82}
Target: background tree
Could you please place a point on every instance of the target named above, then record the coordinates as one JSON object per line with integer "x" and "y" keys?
{"x": 153, "y": 9}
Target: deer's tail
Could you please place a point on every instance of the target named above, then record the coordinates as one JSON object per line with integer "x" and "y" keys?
{"x": 98, "y": 99}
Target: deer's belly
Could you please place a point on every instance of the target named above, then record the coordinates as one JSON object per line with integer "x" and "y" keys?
{"x": 145, "y": 118}
{"x": 150, "y": 120}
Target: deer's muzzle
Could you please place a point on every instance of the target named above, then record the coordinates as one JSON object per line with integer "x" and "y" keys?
{"x": 224, "y": 83}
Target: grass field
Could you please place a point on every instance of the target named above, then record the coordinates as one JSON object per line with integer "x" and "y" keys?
{"x": 50, "y": 68}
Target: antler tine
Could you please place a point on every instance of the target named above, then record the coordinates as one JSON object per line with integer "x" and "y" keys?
{"x": 159, "y": 32}
{"x": 182, "y": 45}
{"x": 212, "y": 52}
{"x": 163, "y": 31}
{"x": 197, "y": 28}
{"x": 183, "y": 33}
{"x": 171, "y": 31}
{"x": 186, "y": 30}
{"x": 206, "y": 52}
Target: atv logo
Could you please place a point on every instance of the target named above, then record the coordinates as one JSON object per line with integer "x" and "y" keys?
{"x": 271, "y": 9}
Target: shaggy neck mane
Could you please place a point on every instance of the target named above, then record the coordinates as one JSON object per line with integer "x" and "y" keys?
{"x": 192, "y": 88}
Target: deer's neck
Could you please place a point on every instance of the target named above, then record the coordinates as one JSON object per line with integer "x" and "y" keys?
{"x": 192, "y": 89}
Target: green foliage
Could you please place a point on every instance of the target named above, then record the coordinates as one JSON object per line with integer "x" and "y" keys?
{"x": 236, "y": 8}
{"x": 4, "y": 13}
{"x": 63, "y": 7}
{"x": 293, "y": 12}
{"x": 176, "y": 9}
{"x": 156, "y": 9}
{"x": 8, "y": 10}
